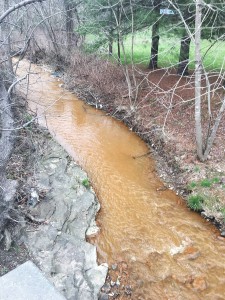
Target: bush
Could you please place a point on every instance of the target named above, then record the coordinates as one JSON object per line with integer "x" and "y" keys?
{"x": 195, "y": 202}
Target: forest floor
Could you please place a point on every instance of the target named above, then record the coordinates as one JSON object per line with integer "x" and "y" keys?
{"x": 162, "y": 114}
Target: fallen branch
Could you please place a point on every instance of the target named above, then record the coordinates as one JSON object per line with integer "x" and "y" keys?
{"x": 139, "y": 156}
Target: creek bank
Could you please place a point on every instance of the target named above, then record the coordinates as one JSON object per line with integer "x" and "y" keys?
{"x": 67, "y": 213}
{"x": 54, "y": 214}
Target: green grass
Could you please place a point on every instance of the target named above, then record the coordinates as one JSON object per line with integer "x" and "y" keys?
{"x": 195, "y": 202}
{"x": 222, "y": 210}
{"x": 169, "y": 48}
{"x": 206, "y": 183}
{"x": 191, "y": 185}
{"x": 215, "y": 180}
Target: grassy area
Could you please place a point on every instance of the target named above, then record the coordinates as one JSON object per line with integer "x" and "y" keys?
{"x": 169, "y": 49}
{"x": 207, "y": 194}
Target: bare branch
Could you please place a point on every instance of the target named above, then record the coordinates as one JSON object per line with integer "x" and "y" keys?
{"x": 17, "y": 6}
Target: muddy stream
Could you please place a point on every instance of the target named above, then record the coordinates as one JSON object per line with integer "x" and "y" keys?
{"x": 171, "y": 253}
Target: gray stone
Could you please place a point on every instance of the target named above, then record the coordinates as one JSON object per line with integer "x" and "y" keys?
{"x": 106, "y": 288}
{"x": 222, "y": 233}
{"x": 114, "y": 267}
{"x": 103, "y": 296}
{"x": 27, "y": 282}
{"x": 8, "y": 239}
{"x": 59, "y": 245}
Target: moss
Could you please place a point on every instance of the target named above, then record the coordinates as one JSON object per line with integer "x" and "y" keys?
{"x": 86, "y": 183}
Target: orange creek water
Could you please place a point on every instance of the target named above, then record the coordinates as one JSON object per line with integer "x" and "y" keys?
{"x": 171, "y": 252}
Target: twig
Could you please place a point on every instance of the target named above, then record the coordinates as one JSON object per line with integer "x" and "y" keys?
{"x": 139, "y": 156}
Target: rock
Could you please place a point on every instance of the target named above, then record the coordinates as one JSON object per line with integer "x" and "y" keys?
{"x": 118, "y": 282}
{"x": 116, "y": 294}
{"x": 114, "y": 267}
{"x": 199, "y": 284}
{"x": 60, "y": 246}
{"x": 113, "y": 283}
{"x": 193, "y": 256}
{"x": 27, "y": 282}
{"x": 106, "y": 288}
{"x": 34, "y": 197}
{"x": 191, "y": 253}
{"x": 8, "y": 239}
{"x": 222, "y": 233}
{"x": 103, "y": 296}
{"x": 128, "y": 290}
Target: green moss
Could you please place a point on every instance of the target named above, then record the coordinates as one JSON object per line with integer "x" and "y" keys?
{"x": 195, "y": 202}
{"x": 86, "y": 183}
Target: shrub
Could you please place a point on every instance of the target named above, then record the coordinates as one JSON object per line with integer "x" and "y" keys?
{"x": 195, "y": 202}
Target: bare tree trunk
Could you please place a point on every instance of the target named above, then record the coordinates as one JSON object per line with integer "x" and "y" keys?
{"x": 110, "y": 46}
{"x": 214, "y": 131}
{"x": 118, "y": 48}
{"x": 184, "y": 55}
{"x": 153, "y": 64}
{"x": 198, "y": 76}
{"x": 69, "y": 23}
{"x": 118, "y": 16}
{"x": 7, "y": 44}
{"x": 111, "y": 35}
{"x": 7, "y": 187}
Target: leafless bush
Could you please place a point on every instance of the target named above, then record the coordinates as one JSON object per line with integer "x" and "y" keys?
{"x": 101, "y": 75}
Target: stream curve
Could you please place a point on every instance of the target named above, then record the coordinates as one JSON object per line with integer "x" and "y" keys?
{"x": 173, "y": 252}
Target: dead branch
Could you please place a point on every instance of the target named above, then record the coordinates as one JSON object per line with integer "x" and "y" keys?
{"x": 17, "y": 6}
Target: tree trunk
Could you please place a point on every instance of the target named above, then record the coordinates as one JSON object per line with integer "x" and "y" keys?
{"x": 7, "y": 187}
{"x": 212, "y": 136}
{"x": 184, "y": 56}
{"x": 198, "y": 75}
{"x": 7, "y": 44}
{"x": 69, "y": 23}
{"x": 111, "y": 34}
{"x": 118, "y": 49}
{"x": 153, "y": 64}
{"x": 110, "y": 46}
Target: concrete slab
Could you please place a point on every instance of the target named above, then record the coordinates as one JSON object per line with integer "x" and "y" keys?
{"x": 26, "y": 282}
